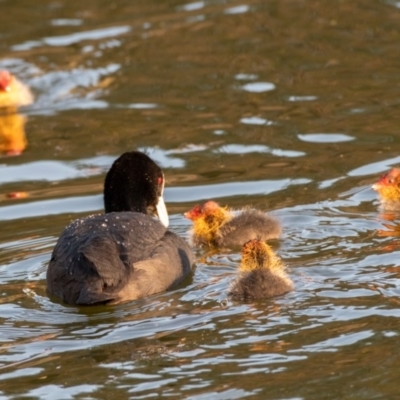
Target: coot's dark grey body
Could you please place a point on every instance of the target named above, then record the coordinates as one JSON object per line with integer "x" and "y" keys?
{"x": 124, "y": 254}
{"x": 114, "y": 257}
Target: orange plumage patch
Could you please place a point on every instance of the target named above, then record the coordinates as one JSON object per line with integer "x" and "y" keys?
{"x": 388, "y": 186}
{"x": 257, "y": 254}
{"x": 207, "y": 220}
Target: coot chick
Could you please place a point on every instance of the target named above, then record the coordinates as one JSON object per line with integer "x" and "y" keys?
{"x": 261, "y": 274}
{"x": 216, "y": 226}
{"x": 388, "y": 188}
{"x": 123, "y": 254}
{"x": 13, "y": 93}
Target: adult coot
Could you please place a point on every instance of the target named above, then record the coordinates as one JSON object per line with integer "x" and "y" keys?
{"x": 124, "y": 254}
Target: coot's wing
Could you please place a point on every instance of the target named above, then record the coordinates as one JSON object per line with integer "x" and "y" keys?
{"x": 168, "y": 264}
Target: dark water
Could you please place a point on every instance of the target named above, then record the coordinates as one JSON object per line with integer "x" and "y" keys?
{"x": 284, "y": 105}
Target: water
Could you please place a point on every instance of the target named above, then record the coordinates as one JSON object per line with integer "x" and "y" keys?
{"x": 280, "y": 105}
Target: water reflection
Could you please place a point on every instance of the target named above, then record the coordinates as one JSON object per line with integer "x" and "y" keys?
{"x": 13, "y": 94}
{"x": 77, "y": 88}
{"x": 325, "y": 137}
{"x": 242, "y": 149}
{"x": 258, "y": 87}
{"x": 73, "y": 38}
{"x": 12, "y": 132}
{"x": 391, "y": 229}
{"x": 302, "y": 98}
{"x": 237, "y": 9}
{"x": 197, "y": 5}
{"x": 256, "y": 121}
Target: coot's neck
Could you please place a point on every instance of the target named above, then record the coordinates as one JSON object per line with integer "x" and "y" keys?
{"x": 121, "y": 193}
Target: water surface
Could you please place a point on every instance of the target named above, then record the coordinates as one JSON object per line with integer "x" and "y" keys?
{"x": 287, "y": 106}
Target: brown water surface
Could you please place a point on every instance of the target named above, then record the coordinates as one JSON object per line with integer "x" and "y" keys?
{"x": 285, "y": 105}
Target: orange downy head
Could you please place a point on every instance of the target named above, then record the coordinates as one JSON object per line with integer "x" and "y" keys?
{"x": 207, "y": 220}
{"x": 388, "y": 186}
{"x": 194, "y": 213}
{"x": 258, "y": 254}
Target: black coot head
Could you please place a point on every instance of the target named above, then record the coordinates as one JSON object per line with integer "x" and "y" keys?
{"x": 134, "y": 183}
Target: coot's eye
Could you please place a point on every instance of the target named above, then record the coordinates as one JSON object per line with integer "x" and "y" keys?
{"x": 160, "y": 185}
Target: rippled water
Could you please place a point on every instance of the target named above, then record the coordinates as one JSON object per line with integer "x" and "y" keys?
{"x": 287, "y": 106}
